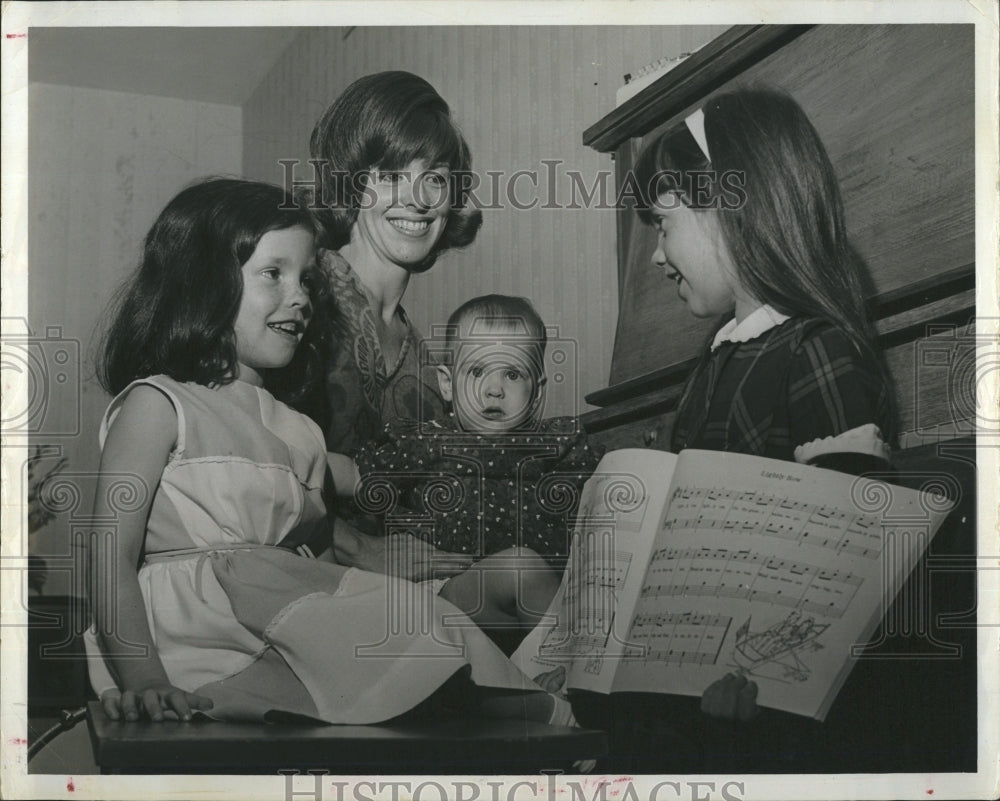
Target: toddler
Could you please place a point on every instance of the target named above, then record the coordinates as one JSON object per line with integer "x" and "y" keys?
{"x": 492, "y": 479}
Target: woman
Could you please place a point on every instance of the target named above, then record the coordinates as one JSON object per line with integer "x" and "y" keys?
{"x": 389, "y": 153}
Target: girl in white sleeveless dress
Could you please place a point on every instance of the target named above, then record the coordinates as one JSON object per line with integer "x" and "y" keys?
{"x": 195, "y": 605}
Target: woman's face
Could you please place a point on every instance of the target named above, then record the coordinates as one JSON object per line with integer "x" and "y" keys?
{"x": 690, "y": 251}
{"x": 404, "y": 213}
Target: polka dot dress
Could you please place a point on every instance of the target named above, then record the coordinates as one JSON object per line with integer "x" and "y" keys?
{"x": 482, "y": 493}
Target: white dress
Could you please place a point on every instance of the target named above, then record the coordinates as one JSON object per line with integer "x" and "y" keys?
{"x": 260, "y": 629}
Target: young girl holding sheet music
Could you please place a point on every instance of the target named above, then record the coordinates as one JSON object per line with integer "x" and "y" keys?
{"x": 750, "y": 226}
{"x": 796, "y": 359}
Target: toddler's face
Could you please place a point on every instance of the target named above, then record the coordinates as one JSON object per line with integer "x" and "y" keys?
{"x": 494, "y": 387}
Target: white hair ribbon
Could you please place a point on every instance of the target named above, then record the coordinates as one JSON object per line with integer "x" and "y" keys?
{"x": 696, "y": 125}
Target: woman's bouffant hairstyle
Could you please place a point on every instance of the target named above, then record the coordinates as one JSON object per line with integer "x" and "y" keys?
{"x": 386, "y": 121}
{"x": 786, "y": 234}
{"x": 175, "y": 314}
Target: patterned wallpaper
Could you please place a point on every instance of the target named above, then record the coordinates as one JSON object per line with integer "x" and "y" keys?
{"x": 102, "y": 165}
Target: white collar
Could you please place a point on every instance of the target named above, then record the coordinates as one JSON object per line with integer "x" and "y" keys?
{"x": 761, "y": 319}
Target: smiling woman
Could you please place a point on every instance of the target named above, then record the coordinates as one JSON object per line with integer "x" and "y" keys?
{"x": 402, "y": 217}
{"x": 388, "y": 150}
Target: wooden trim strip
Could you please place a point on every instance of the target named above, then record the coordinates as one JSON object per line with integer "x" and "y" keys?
{"x": 959, "y": 314}
{"x": 906, "y": 328}
{"x": 926, "y": 294}
{"x": 925, "y": 291}
{"x": 660, "y": 401}
{"x": 717, "y": 62}
{"x": 648, "y": 382}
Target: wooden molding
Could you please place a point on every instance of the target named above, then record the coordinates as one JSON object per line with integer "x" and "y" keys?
{"x": 717, "y": 62}
{"x": 901, "y": 316}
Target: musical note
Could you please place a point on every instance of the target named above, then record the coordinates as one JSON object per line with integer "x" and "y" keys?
{"x": 764, "y": 514}
{"x": 677, "y": 638}
{"x": 722, "y": 573}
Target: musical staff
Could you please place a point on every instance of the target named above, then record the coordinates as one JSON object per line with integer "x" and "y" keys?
{"x": 685, "y": 638}
{"x": 764, "y": 514}
{"x": 597, "y": 572}
{"x": 750, "y": 576}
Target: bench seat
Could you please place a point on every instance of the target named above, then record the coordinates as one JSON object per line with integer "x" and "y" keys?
{"x": 442, "y": 746}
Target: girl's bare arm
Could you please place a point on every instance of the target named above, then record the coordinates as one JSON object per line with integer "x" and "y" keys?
{"x": 345, "y": 473}
{"x": 136, "y": 449}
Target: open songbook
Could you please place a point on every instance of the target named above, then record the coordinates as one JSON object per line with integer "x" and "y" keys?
{"x": 684, "y": 568}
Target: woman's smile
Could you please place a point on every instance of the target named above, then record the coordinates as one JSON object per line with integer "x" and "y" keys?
{"x": 411, "y": 227}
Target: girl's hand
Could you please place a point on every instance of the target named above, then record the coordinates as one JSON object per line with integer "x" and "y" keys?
{"x": 401, "y": 555}
{"x": 159, "y": 702}
{"x": 731, "y": 698}
{"x": 553, "y": 680}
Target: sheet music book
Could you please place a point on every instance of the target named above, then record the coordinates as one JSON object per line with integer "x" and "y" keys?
{"x": 685, "y": 568}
